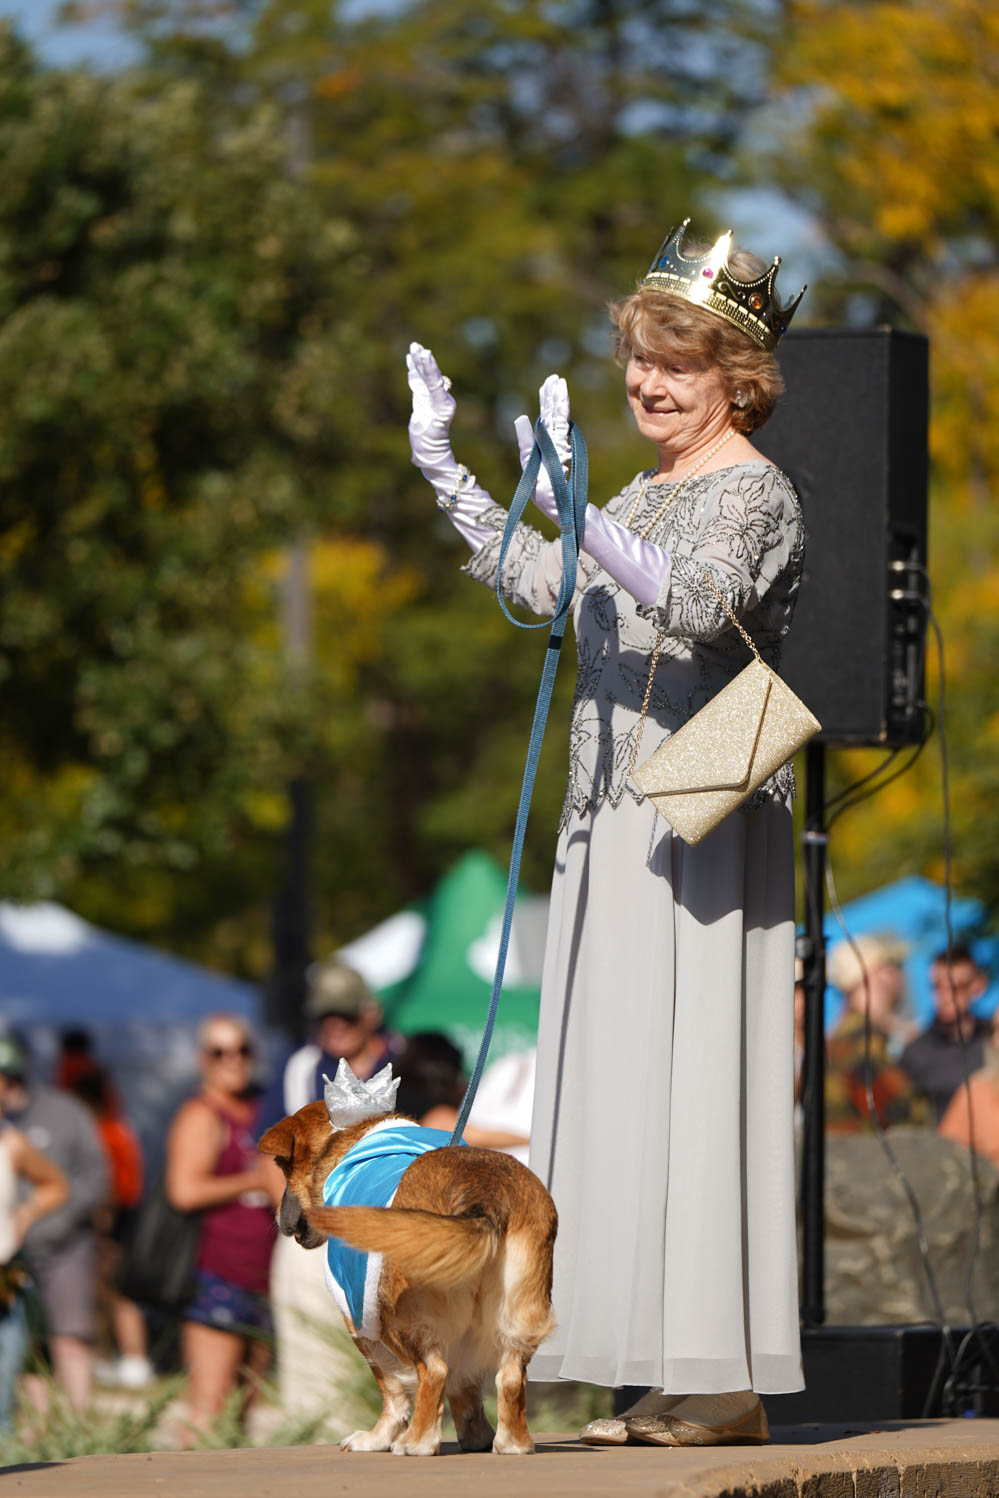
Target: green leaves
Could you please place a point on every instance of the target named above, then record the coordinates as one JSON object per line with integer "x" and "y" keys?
{"x": 210, "y": 269}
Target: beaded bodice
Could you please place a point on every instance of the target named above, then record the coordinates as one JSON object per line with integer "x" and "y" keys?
{"x": 743, "y": 525}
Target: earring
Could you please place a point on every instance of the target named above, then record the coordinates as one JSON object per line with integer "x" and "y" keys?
{"x": 741, "y": 399}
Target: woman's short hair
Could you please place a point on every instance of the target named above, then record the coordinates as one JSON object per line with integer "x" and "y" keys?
{"x": 223, "y": 1017}
{"x": 653, "y": 322}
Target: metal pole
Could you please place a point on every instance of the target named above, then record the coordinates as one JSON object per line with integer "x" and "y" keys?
{"x": 813, "y": 1164}
{"x": 291, "y": 909}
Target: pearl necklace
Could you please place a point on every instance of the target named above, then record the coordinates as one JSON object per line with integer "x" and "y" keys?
{"x": 674, "y": 496}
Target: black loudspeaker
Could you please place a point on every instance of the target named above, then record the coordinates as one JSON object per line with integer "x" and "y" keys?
{"x": 851, "y": 434}
{"x": 874, "y": 1373}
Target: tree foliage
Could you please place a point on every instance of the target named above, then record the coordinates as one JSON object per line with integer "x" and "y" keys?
{"x": 213, "y": 265}
{"x": 898, "y": 159}
{"x": 210, "y": 268}
{"x": 170, "y": 336}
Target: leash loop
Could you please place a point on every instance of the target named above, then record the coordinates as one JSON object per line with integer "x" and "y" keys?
{"x": 570, "y": 502}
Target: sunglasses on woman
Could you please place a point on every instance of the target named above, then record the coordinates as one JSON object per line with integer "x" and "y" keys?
{"x": 218, "y": 1052}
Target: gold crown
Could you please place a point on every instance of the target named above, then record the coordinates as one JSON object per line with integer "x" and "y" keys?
{"x": 707, "y": 282}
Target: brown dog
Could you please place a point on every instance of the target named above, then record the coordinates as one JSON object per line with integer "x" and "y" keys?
{"x": 465, "y": 1286}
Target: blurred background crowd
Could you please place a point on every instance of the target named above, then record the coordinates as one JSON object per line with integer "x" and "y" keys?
{"x": 114, "y": 1273}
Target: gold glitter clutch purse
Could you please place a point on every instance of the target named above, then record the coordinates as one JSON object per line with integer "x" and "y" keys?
{"x": 727, "y": 750}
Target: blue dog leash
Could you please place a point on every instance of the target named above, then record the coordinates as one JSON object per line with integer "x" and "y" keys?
{"x": 570, "y": 501}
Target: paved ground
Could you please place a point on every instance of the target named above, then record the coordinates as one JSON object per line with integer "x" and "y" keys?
{"x": 912, "y": 1459}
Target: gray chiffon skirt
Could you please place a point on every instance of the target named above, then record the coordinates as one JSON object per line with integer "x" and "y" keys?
{"x": 663, "y": 1116}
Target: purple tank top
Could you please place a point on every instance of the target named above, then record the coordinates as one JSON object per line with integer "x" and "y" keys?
{"x": 237, "y": 1238}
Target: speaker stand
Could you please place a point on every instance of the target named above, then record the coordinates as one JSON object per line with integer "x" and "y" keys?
{"x": 813, "y": 1161}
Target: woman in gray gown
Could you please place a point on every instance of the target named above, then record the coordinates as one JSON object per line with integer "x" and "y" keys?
{"x": 665, "y": 1091}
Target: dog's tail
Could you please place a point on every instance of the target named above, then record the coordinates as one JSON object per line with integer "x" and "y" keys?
{"x": 438, "y": 1250}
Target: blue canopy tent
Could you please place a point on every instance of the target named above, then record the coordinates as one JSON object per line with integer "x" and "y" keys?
{"x": 913, "y": 909}
{"x": 141, "y": 1006}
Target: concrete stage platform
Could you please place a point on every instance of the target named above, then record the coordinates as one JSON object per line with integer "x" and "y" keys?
{"x": 903, "y": 1459}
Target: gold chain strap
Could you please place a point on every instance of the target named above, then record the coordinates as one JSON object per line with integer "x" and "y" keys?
{"x": 653, "y": 663}
{"x": 715, "y": 589}
{"x": 661, "y": 635}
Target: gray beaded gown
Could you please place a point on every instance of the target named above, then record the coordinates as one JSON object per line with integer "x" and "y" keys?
{"x": 663, "y": 1115}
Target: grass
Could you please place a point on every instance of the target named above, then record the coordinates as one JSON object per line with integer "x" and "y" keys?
{"x": 60, "y": 1434}
{"x": 119, "y": 1422}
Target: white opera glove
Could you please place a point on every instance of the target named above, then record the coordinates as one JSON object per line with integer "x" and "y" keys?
{"x": 458, "y": 495}
{"x": 553, "y": 404}
{"x": 640, "y": 567}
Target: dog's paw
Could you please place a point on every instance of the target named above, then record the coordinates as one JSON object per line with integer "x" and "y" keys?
{"x": 476, "y": 1441}
{"x": 402, "y": 1447}
{"x": 505, "y": 1445}
{"x": 364, "y": 1440}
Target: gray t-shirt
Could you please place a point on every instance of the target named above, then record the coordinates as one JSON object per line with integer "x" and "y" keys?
{"x": 65, "y": 1132}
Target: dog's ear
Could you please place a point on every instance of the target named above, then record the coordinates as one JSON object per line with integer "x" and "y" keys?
{"x": 279, "y": 1140}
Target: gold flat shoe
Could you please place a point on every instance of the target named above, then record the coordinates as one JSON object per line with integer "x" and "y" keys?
{"x": 604, "y": 1433}
{"x": 750, "y": 1429}
{"x": 613, "y": 1430}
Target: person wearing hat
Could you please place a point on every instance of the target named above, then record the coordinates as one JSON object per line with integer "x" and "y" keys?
{"x": 61, "y": 1249}
{"x": 346, "y": 1021}
{"x": 867, "y": 971}
{"x": 953, "y": 1046}
{"x": 314, "y": 1365}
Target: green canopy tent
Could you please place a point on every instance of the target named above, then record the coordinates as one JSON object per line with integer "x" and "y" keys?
{"x": 433, "y": 965}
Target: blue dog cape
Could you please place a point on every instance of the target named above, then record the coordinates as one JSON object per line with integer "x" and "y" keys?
{"x": 369, "y": 1176}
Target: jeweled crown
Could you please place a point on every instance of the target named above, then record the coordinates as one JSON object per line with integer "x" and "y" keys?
{"x": 707, "y": 282}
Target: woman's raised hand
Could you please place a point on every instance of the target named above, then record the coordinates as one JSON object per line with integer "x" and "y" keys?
{"x": 433, "y": 407}
{"x": 430, "y": 426}
{"x": 553, "y": 404}
{"x": 462, "y": 500}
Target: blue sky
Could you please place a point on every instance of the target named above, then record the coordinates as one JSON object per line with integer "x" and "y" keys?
{"x": 98, "y": 44}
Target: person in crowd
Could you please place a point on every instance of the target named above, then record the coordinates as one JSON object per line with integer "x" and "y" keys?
{"x": 31, "y": 1188}
{"x": 347, "y": 1022}
{"x": 76, "y": 1057}
{"x": 61, "y": 1249}
{"x": 972, "y": 1115}
{"x": 432, "y": 1085}
{"x": 504, "y": 1104}
{"x": 213, "y": 1168}
{"x": 868, "y": 972}
{"x": 953, "y": 1045}
{"x": 673, "y": 1174}
{"x": 431, "y": 1076}
{"x": 131, "y": 1368}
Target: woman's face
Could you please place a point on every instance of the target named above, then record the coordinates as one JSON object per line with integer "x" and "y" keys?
{"x": 227, "y": 1058}
{"x": 676, "y": 404}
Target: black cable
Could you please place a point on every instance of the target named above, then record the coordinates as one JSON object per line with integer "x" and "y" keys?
{"x": 950, "y": 1361}
{"x": 879, "y": 1128}
{"x": 946, "y": 1362}
{"x": 978, "y": 1327}
{"x": 856, "y": 784}
{"x": 900, "y": 567}
{"x": 902, "y": 770}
